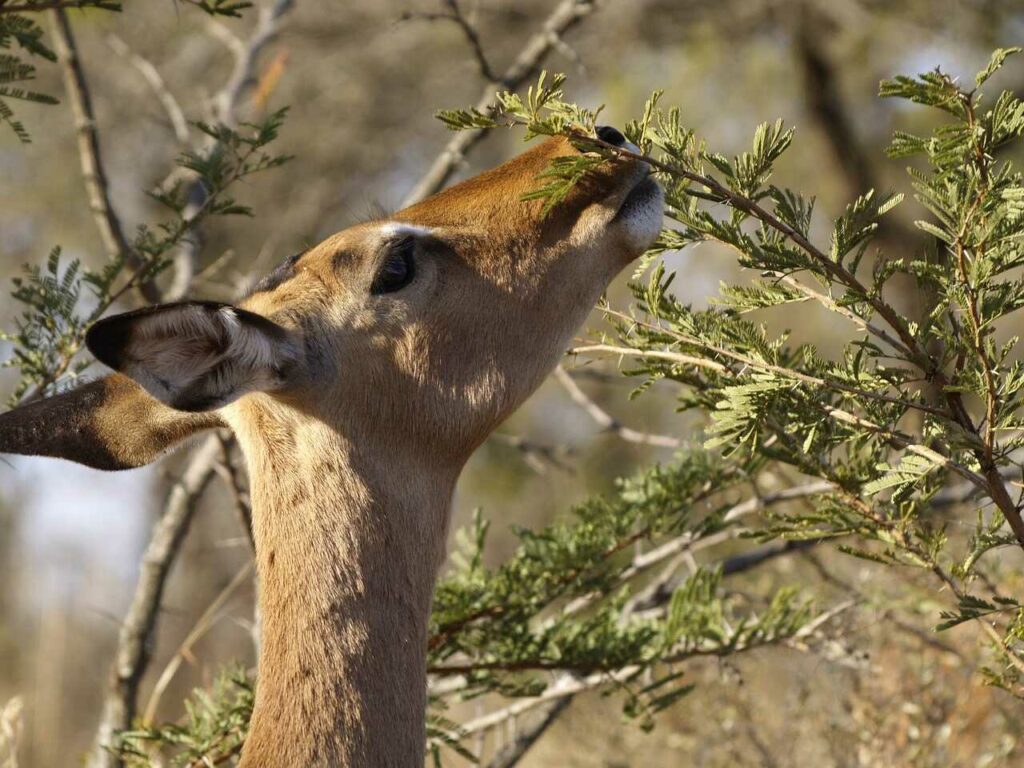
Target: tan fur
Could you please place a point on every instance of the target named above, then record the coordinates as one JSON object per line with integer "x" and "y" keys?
{"x": 354, "y": 458}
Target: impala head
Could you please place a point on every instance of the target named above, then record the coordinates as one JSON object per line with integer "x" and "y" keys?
{"x": 432, "y": 324}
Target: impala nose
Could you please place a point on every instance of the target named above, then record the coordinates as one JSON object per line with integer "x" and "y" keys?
{"x": 611, "y": 135}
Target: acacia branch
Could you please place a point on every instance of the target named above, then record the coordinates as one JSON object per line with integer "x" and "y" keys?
{"x": 835, "y": 271}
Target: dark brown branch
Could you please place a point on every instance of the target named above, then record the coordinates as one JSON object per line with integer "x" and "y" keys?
{"x": 474, "y": 40}
{"x": 566, "y": 15}
{"x": 825, "y": 104}
{"x": 97, "y": 186}
{"x": 472, "y": 36}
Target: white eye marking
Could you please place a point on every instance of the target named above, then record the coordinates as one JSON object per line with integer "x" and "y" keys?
{"x": 393, "y": 228}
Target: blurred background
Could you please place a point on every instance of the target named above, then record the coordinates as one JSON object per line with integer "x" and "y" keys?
{"x": 363, "y": 81}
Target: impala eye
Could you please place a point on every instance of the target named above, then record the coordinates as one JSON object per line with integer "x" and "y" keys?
{"x": 398, "y": 268}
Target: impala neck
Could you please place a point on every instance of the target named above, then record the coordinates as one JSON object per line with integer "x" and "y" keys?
{"x": 348, "y": 546}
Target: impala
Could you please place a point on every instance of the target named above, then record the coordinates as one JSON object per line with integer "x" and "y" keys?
{"x": 358, "y": 377}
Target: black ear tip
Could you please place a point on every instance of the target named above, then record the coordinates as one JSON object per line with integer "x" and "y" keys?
{"x": 107, "y": 340}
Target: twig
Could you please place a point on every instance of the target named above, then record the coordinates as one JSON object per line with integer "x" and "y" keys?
{"x": 203, "y": 625}
{"x": 536, "y": 455}
{"x": 894, "y": 438}
{"x": 135, "y": 639}
{"x": 566, "y": 15}
{"x": 97, "y": 186}
{"x": 606, "y": 421}
{"x": 569, "y": 685}
{"x": 472, "y": 36}
{"x": 156, "y": 83}
{"x": 233, "y": 477}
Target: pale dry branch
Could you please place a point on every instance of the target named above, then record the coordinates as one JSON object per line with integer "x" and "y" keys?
{"x": 225, "y": 108}
{"x": 894, "y": 438}
{"x": 566, "y": 15}
{"x": 569, "y": 685}
{"x": 157, "y": 84}
{"x": 12, "y": 724}
{"x": 203, "y": 624}
{"x": 136, "y": 636}
{"x": 510, "y": 755}
{"x": 606, "y": 421}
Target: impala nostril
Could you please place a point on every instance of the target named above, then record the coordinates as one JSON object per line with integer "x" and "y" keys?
{"x": 610, "y": 135}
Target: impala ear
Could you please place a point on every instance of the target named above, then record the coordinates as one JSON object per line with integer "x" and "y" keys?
{"x": 196, "y": 356}
{"x": 111, "y": 423}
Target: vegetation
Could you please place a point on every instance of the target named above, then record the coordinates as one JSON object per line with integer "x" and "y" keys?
{"x": 903, "y": 449}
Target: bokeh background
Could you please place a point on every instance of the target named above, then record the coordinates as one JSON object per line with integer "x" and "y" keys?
{"x": 363, "y": 81}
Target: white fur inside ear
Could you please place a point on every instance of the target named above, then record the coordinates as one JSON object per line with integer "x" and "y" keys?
{"x": 197, "y": 357}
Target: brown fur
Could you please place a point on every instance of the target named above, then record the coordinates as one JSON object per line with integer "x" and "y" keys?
{"x": 354, "y": 458}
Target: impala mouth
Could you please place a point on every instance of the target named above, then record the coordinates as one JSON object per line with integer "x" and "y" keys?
{"x": 640, "y": 213}
{"x": 640, "y": 196}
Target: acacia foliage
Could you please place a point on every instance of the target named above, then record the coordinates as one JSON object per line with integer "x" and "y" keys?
{"x": 911, "y": 415}
{"x": 913, "y": 412}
